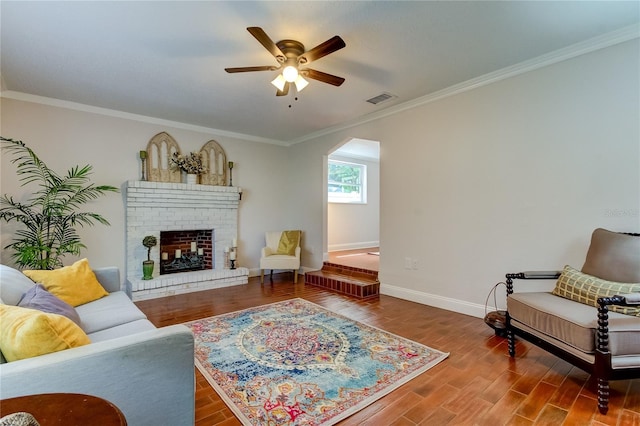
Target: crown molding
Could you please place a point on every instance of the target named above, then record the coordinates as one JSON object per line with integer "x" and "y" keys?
{"x": 26, "y": 97}
{"x": 610, "y": 39}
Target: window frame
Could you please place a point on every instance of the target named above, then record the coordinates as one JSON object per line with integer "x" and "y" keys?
{"x": 331, "y": 196}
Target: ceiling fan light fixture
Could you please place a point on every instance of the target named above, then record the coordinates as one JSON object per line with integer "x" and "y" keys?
{"x": 290, "y": 73}
{"x": 279, "y": 82}
{"x": 300, "y": 83}
{"x": 290, "y": 55}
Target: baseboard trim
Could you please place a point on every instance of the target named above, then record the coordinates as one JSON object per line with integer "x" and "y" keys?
{"x": 450, "y": 304}
{"x": 353, "y": 246}
{"x": 455, "y": 305}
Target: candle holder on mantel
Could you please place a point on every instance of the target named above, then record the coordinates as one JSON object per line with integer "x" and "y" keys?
{"x": 233, "y": 251}
{"x": 230, "y": 173}
{"x": 227, "y": 261}
{"x": 143, "y": 157}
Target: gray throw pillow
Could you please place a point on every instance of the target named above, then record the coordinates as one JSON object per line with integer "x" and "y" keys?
{"x": 37, "y": 297}
{"x": 613, "y": 257}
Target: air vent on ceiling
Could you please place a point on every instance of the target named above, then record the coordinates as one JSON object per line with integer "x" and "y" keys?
{"x": 383, "y": 97}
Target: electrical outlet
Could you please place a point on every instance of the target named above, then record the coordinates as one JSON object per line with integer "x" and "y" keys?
{"x": 407, "y": 263}
{"x": 414, "y": 264}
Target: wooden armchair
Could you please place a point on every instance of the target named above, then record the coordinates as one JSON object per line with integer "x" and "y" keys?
{"x": 584, "y": 320}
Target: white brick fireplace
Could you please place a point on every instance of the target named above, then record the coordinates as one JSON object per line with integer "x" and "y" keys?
{"x": 153, "y": 207}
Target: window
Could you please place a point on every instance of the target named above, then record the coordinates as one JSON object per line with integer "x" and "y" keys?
{"x": 347, "y": 182}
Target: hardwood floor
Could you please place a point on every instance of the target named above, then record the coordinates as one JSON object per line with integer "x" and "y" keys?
{"x": 479, "y": 384}
{"x": 359, "y": 258}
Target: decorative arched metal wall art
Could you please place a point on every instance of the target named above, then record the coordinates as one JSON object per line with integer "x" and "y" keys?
{"x": 215, "y": 161}
{"x": 159, "y": 149}
{"x": 162, "y": 146}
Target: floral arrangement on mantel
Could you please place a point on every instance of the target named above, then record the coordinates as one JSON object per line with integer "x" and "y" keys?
{"x": 191, "y": 163}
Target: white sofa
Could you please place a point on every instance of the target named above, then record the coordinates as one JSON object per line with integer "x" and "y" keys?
{"x": 147, "y": 372}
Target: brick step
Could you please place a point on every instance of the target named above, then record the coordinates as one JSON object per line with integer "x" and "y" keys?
{"x": 357, "y": 282}
{"x": 350, "y": 271}
{"x": 346, "y": 278}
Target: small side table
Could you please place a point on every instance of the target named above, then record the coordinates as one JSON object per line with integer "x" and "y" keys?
{"x": 70, "y": 409}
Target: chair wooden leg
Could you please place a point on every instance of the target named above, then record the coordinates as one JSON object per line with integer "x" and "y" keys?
{"x": 603, "y": 395}
{"x": 261, "y": 276}
{"x": 295, "y": 276}
{"x": 511, "y": 342}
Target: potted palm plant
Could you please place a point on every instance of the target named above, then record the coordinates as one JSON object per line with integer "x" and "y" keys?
{"x": 51, "y": 214}
{"x": 147, "y": 265}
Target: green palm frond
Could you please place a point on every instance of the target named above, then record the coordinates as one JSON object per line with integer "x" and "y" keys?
{"x": 50, "y": 215}
{"x": 29, "y": 166}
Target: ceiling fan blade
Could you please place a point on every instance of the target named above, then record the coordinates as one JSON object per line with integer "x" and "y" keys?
{"x": 284, "y": 91}
{"x": 250, "y": 69}
{"x": 329, "y": 46}
{"x": 322, "y": 76}
{"x": 268, "y": 44}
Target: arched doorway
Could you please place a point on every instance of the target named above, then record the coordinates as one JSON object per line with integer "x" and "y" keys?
{"x": 353, "y": 203}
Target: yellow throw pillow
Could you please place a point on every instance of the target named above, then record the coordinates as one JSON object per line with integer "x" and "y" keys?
{"x": 75, "y": 284}
{"x": 288, "y": 242}
{"x": 27, "y": 333}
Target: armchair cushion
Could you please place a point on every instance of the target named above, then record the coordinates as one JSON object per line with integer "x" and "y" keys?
{"x": 613, "y": 256}
{"x": 584, "y": 288}
{"x": 573, "y": 323}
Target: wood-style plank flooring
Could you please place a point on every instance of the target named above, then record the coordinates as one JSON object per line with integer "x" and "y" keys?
{"x": 358, "y": 258}
{"x": 479, "y": 384}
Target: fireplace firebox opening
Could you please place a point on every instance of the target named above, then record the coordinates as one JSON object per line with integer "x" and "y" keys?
{"x": 183, "y": 251}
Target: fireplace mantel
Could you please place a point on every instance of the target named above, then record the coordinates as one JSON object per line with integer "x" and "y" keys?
{"x": 152, "y": 207}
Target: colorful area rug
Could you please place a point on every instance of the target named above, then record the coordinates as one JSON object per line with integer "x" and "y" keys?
{"x": 296, "y": 363}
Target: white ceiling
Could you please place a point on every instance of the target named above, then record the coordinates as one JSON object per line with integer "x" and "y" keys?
{"x": 359, "y": 149}
{"x": 166, "y": 59}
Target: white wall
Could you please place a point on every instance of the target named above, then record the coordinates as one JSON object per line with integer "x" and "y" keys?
{"x": 352, "y": 226}
{"x": 64, "y": 138}
{"x": 510, "y": 176}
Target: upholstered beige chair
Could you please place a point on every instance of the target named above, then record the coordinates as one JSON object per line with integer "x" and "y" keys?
{"x": 282, "y": 251}
{"x": 592, "y": 317}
